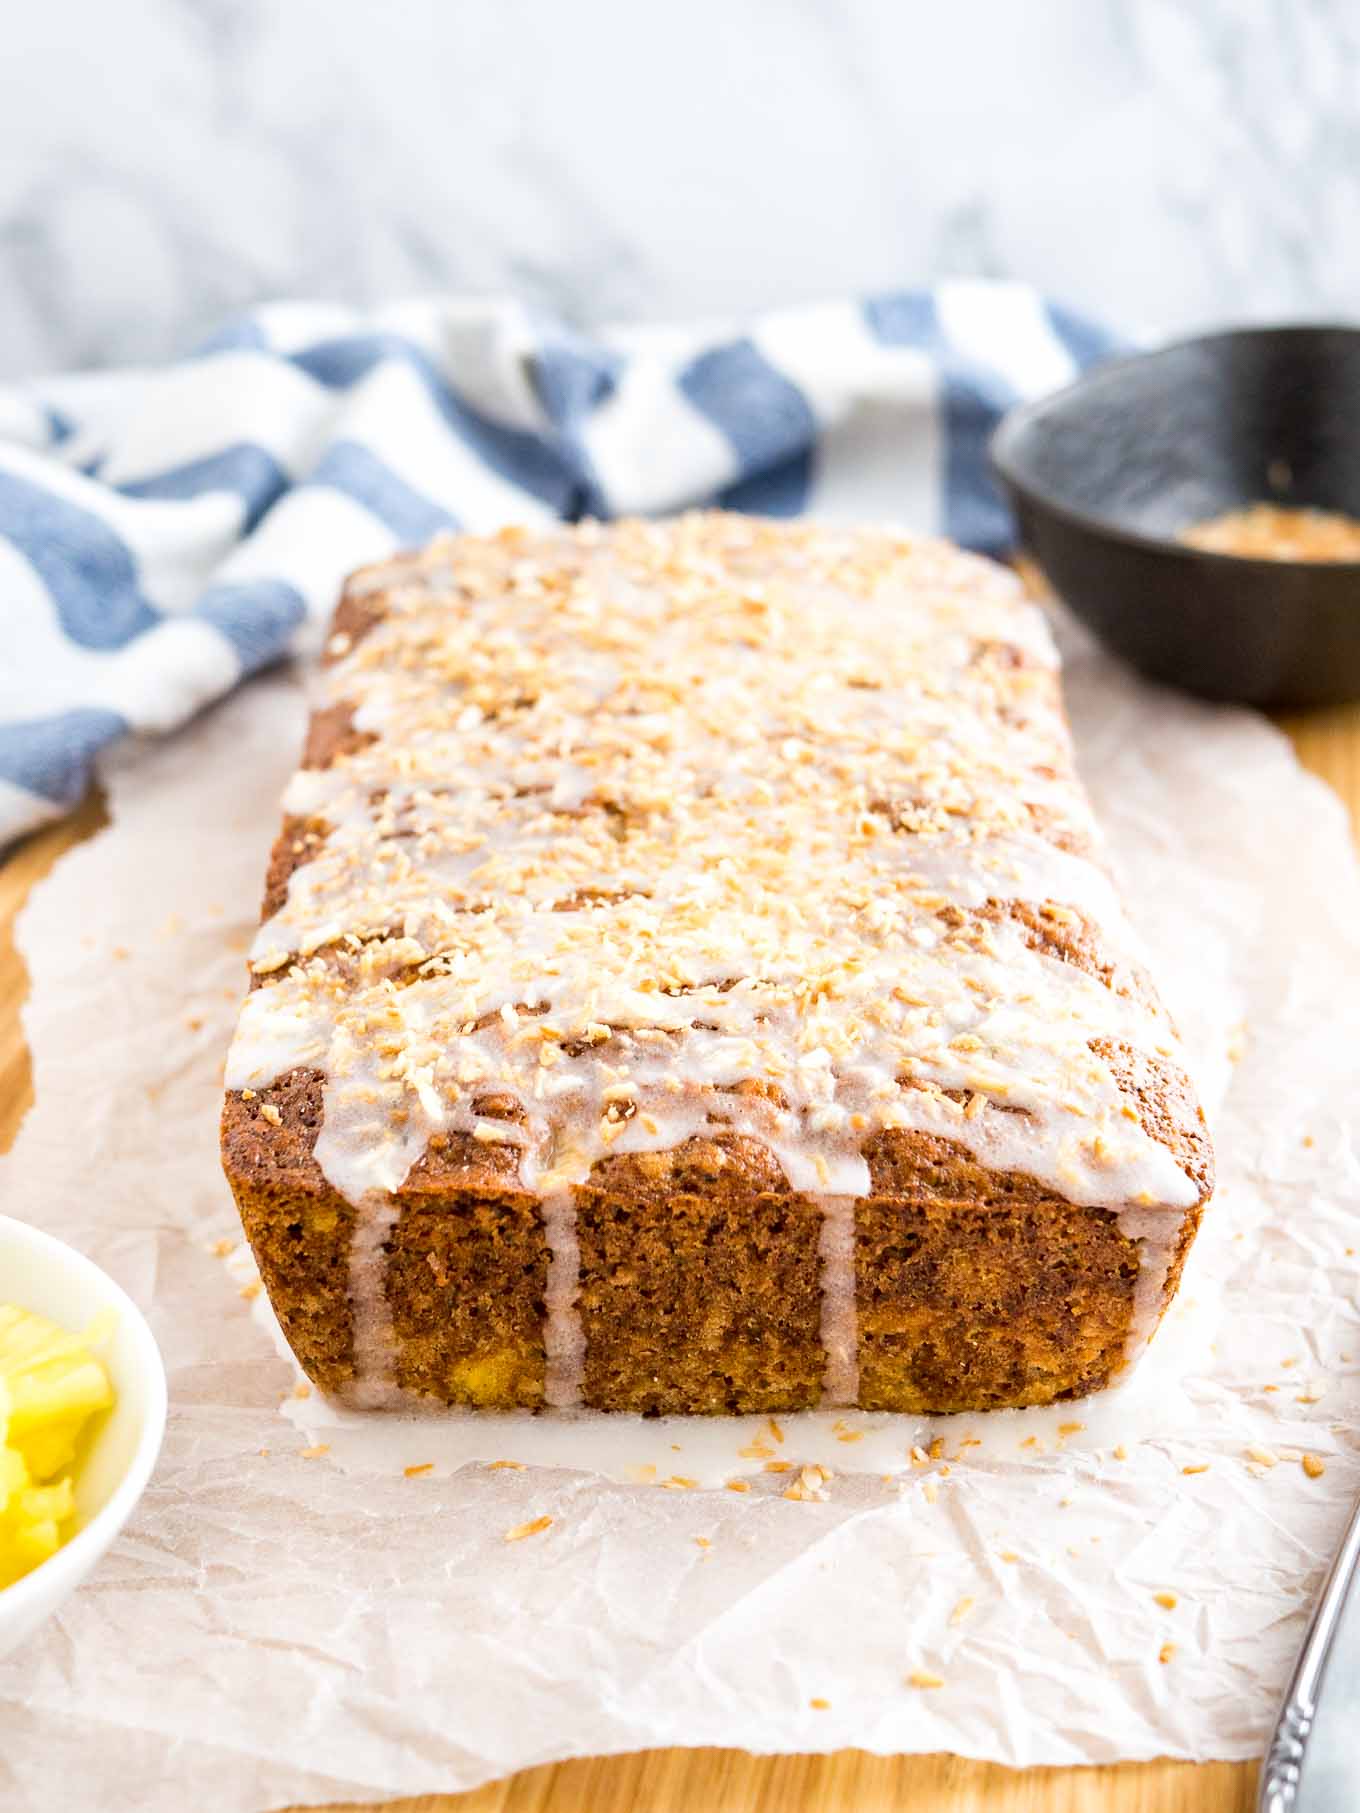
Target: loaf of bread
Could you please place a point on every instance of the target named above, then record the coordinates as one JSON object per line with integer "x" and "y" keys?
{"x": 689, "y": 981}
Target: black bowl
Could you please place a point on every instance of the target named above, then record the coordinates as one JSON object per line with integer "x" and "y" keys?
{"x": 1102, "y": 477}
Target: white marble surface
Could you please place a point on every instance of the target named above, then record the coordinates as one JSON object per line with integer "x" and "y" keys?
{"x": 1164, "y": 163}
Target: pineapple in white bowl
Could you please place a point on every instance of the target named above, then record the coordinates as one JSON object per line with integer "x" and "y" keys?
{"x": 51, "y": 1386}
{"x": 82, "y": 1412}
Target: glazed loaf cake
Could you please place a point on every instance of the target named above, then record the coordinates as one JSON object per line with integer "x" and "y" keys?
{"x": 688, "y": 981}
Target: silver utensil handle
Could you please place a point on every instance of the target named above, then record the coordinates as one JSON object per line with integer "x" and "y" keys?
{"x": 1284, "y": 1759}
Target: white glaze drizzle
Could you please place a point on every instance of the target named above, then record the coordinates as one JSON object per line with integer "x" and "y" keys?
{"x": 373, "y": 1386}
{"x": 840, "y": 1319}
{"x": 661, "y": 811}
{"x": 563, "y": 1336}
{"x": 1157, "y": 1235}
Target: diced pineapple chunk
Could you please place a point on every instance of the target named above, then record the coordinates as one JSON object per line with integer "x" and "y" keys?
{"x": 14, "y": 1476}
{"x": 54, "y": 1391}
{"x": 22, "y": 1548}
{"x": 39, "y": 1504}
{"x": 51, "y": 1447}
{"x": 50, "y": 1386}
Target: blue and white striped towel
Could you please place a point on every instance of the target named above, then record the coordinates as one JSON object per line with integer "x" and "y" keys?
{"x": 165, "y": 533}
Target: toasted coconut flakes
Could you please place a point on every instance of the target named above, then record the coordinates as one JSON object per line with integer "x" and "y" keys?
{"x": 316, "y": 1451}
{"x": 1165, "y": 1653}
{"x": 739, "y": 1485}
{"x": 961, "y": 1610}
{"x": 424, "y": 1466}
{"x": 702, "y": 1542}
{"x": 777, "y": 1466}
{"x": 820, "y": 1705}
{"x": 302, "y": 1389}
{"x": 220, "y": 1248}
{"x": 517, "y": 1465}
{"x": 930, "y": 1491}
{"x": 920, "y": 1677}
{"x": 1070, "y": 1428}
{"x": 1009, "y": 1555}
{"x": 1313, "y": 1466}
{"x": 250, "y": 1291}
{"x": 1199, "y": 1467}
{"x": 1169, "y": 1600}
{"x": 678, "y": 1482}
{"x": 1264, "y": 1457}
{"x": 534, "y": 1527}
{"x": 1121, "y": 1452}
{"x": 810, "y": 1486}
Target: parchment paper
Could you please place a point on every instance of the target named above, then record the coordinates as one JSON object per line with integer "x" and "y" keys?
{"x": 277, "y": 1627}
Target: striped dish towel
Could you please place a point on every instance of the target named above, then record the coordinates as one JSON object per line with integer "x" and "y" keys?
{"x": 165, "y": 533}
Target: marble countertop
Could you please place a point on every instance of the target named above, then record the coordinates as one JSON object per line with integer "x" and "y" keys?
{"x": 1161, "y": 163}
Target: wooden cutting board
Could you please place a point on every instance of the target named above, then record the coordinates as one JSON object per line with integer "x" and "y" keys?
{"x": 730, "y": 1781}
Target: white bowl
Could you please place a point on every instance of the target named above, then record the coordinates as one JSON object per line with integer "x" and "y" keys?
{"x": 44, "y": 1275}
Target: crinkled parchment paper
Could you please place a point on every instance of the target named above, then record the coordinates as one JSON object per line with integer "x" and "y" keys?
{"x": 282, "y": 1625}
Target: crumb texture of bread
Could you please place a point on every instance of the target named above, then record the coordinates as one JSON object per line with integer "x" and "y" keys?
{"x": 710, "y": 1245}
{"x": 689, "y": 982}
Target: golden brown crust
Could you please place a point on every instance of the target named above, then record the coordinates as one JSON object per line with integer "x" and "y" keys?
{"x": 1064, "y": 933}
{"x": 700, "y": 1283}
{"x": 298, "y": 1226}
{"x": 359, "y": 612}
{"x": 297, "y": 843}
{"x": 1168, "y": 1107}
{"x": 979, "y": 1288}
{"x": 467, "y": 1261}
{"x": 331, "y": 735}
